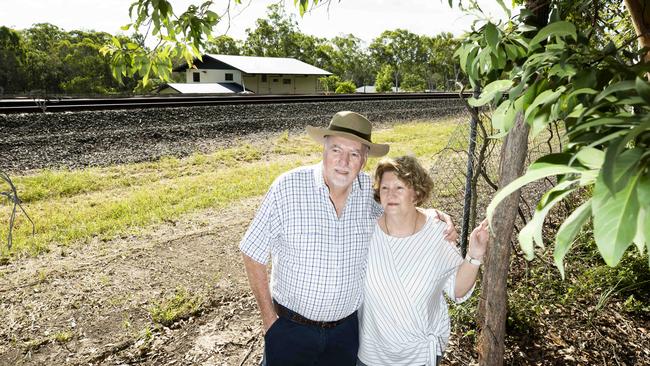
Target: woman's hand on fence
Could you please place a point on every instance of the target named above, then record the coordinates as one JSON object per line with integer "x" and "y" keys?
{"x": 478, "y": 241}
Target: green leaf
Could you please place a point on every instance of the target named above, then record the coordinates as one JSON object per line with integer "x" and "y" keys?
{"x": 614, "y": 149}
{"x": 490, "y": 91}
{"x": 523, "y": 27}
{"x": 614, "y": 88}
{"x": 596, "y": 122}
{"x": 116, "y": 42}
{"x": 562, "y": 70}
{"x": 580, "y": 91}
{"x": 539, "y": 121}
{"x": 567, "y": 233}
{"x": 504, "y": 7}
{"x": 590, "y": 157}
{"x": 511, "y": 51}
{"x": 552, "y": 164}
{"x": 607, "y": 138}
{"x": 615, "y": 214}
{"x": 643, "y": 89}
{"x": 491, "y": 36}
{"x": 517, "y": 90}
{"x": 642, "y": 227}
{"x": 545, "y": 97}
{"x": 644, "y": 191}
{"x": 532, "y": 232}
{"x": 557, "y": 29}
{"x": 503, "y": 117}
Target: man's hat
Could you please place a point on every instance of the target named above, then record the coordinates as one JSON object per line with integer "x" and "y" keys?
{"x": 350, "y": 125}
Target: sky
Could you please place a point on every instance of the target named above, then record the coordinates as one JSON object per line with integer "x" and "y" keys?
{"x": 365, "y": 19}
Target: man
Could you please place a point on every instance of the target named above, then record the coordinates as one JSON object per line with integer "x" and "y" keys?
{"x": 316, "y": 222}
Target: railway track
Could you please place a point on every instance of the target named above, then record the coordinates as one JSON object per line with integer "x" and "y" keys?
{"x": 8, "y": 106}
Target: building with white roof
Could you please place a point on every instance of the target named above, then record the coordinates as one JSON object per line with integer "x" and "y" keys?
{"x": 260, "y": 75}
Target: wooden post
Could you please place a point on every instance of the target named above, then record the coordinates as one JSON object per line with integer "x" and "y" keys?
{"x": 493, "y": 303}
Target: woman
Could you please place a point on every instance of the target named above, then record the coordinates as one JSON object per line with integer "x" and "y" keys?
{"x": 404, "y": 319}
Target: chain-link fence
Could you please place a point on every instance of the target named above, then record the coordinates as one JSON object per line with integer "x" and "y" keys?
{"x": 466, "y": 171}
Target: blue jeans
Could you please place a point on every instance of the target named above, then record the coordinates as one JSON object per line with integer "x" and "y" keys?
{"x": 288, "y": 343}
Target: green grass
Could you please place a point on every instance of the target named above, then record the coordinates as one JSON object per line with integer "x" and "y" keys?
{"x": 179, "y": 306}
{"x": 74, "y": 206}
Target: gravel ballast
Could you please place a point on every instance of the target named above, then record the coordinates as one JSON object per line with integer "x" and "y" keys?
{"x": 98, "y": 138}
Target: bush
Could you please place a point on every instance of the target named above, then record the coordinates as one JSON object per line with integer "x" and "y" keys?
{"x": 329, "y": 83}
{"x": 346, "y": 87}
{"x": 384, "y": 80}
{"x": 413, "y": 83}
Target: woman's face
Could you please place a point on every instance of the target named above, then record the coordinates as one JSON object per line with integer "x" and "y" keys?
{"x": 395, "y": 196}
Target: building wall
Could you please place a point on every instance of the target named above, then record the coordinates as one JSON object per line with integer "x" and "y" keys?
{"x": 261, "y": 84}
{"x": 213, "y": 76}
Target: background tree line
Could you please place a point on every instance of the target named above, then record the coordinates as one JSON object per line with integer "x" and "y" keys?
{"x": 46, "y": 59}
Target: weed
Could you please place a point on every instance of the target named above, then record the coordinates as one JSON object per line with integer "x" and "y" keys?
{"x": 42, "y": 275}
{"x": 180, "y": 306}
{"x": 104, "y": 280}
{"x": 63, "y": 336}
{"x": 126, "y": 322}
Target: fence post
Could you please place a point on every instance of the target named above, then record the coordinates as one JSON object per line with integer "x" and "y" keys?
{"x": 468, "y": 178}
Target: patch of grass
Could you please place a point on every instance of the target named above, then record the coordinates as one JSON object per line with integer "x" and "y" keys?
{"x": 422, "y": 139}
{"x": 63, "y": 336}
{"x": 73, "y": 206}
{"x": 180, "y": 306}
{"x": 41, "y": 274}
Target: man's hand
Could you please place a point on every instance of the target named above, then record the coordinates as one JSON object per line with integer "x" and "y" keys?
{"x": 450, "y": 231}
{"x": 268, "y": 321}
{"x": 258, "y": 279}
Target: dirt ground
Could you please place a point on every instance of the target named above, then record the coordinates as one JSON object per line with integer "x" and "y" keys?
{"x": 98, "y": 298}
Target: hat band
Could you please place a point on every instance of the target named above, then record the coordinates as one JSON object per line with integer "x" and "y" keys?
{"x": 349, "y": 130}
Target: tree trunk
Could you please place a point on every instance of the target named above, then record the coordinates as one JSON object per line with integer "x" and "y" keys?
{"x": 493, "y": 303}
{"x": 640, "y": 13}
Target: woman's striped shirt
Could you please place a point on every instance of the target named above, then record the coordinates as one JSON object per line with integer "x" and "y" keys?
{"x": 404, "y": 318}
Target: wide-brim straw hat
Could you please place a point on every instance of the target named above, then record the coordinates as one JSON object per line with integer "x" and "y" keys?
{"x": 350, "y": 125}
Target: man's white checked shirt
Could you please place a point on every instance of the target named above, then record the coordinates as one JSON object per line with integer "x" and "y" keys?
{"x": 318, "y": 259}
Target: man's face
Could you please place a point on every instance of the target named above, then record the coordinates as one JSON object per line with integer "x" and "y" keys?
{"x": 343, "y": 159}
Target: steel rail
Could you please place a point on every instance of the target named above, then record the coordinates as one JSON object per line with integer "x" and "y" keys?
{"x": 40, "y": 105}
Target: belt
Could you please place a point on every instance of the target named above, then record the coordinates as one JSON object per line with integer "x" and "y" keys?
{"x": 297, "y": 318}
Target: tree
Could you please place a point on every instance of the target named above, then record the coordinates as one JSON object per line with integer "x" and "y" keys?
{"x": 12, "y": 60}
{"x": 535, "y": 75}
{"x": 401, "y": 49}
{"x": 384, "y": 80}
{"x": 346, "y": 87}
{"x": 224, "y": 45}
{"x": 329, "y": 83}
{"x": 351, "y": 61}
{"x": 43, "y": 66}
{"x": 441, "y": 69}
{"x": 413, "y": 83}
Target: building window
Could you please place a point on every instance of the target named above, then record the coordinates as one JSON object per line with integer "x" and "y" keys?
{"x": 276, "y": 80}
{"x": 286, "y": 81}
{"x": 229, "y": 76}
{"x": 264, "y": 78}
{"x": 196, "y": 77}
